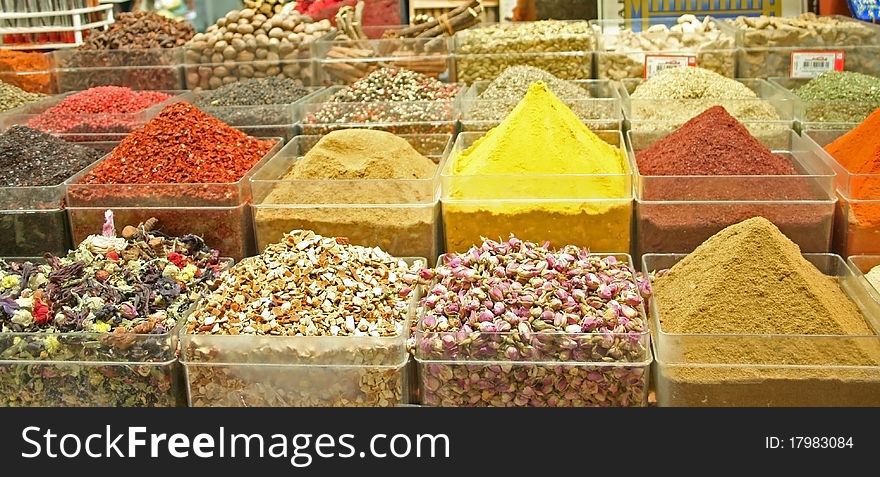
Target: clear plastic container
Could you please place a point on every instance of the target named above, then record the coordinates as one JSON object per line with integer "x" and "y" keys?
{"x": 91, "y": 123}
{"x": 89, "y": 369}
{"x": 861, "y": 265}
{"x": 563, "y": 370}
{"x": 675, "y": 214}
{"x": 156, "y": 69}
{"x": 601, "y": 112}
{"x": 212, "y": 75}
{"x": 567, "y": 54}
{"x": 255, "y": 371}
{"x": 346, "y": 61}
{"x": 857, "y": 228}
{"x": 33, "y": 220}
{"x": 616, "y": 63}
{"x": 600, "y": 220}
{"x": 34, "y": 76}
{"x": 399, "y": 216}
{"x": 769, "y": 370}
{"x": 219, "y": 213}
{"x": 827, "y": 114}
{"x": 318, "y": 117}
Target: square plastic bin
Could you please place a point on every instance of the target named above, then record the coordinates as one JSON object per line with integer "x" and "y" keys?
{"x": 857, "y": 227}
{"x": 34, "y": 76}
{"x": 506, "y": 369}
{"x": 599, "y": 217}
{"x": 824, "y": 114}
{"x": 296, "y": 371}
{"x": 85, "y": 123}
{"x": 33, "y": 219}
{"x": 626, "y": 50}
{"x": 675, "y": 214}
{"x": 89, "y": 369}
{"x": 566, "y": 53}
{"x": 346, "y": 61}
{"x": 156, "y": 69}
{"x": 768, "y": 370}
{"x": 317, "y": 116}
{"x": 600, "y": 112}
{"x": 200, "y": 75}
{"x": 219, "y": 213}
{"x": 401, "y": 217}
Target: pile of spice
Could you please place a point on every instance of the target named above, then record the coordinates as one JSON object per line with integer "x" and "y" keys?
{"x": 12, "y": 97}
{"x": 714, "y": 143}
{"x": 574, "y": 163}
{"x": 382, "y": 159}
{"x": 484, "y": 53}
{"x": 33, "y": 221}
{"x": 750, "y": 279}
{"x": 141, "y": 31}
{"x": 858, "y": 151}
{"x": 679, "y": 94}
{"x": 839, "y": 97}
{"x": 873, "y": 277}
{"x": 389, "y": 95}
{"x": 26, "y": 70}
{"x": 304, "y": 287}
{"x": 30, "y": 158}
{"x": 254, "y": 92}
{"x": 515, "y": 301}
{"x": 106, "y": 109}
{"x": 112, "y": 300}
{"x": 181, "y": 145}
{"x": 248, "y": 44}
{"x": 504, "y": 92}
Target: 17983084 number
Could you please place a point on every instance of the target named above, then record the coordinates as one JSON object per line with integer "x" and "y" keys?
{"x": 825, "y": 442}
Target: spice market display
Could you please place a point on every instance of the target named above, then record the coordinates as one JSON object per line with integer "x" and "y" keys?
{"x": 824, "y": 347}
{"x": 438, "y": 206}
{"x": 303, "y": 301}
{"x": 369, "y": 186}
{"x": 184, "y": 167}
{"x": 97, "y": 326}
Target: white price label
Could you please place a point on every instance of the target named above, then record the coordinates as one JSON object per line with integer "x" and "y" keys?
{"x": 657, "y": 63}
{"x": 810, "y": 64}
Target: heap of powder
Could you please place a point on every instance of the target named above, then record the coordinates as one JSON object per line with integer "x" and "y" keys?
{"x": 750, "y": 278}
{"x": 502, "y": 94}
{"x": 33, "y": 158}
{"x": 180, "y": 145}
{"x": 712, "y": 143}
{"x": 104, "y": 109}
{"x": 362, "y": 154}
{"x": 255, "y": 91}
{"x": 702, "y": 88}
{"x": 12, "y": 97}
{"x": 356, "y": 154}
{"x": 541, "y": 136}
{"x": 873, "y": 277}
{"x": 859, "y": 152}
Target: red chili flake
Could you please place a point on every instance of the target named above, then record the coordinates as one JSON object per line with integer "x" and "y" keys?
{"x": 100, "y": 109}
{"x": 180, "y": 145}
{"x": 112, "y": 255}
{"x": 177, "y": 259}
{"x": 41, "y": 312}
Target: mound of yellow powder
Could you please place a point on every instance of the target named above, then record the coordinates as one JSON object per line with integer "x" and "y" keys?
{"x": 540, "y": 136}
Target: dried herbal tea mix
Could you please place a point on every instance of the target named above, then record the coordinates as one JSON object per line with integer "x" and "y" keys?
{"x": 306, "y": 300}
{"x": 751, "y": 280}
{"x": 516, "y": 301}
{"x": 112, "y": 300}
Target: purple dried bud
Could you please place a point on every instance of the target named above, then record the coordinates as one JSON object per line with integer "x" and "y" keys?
{"x": 426, "y": 274}
{"x": 629, "y": 311}
{"x": 448, "y": 341}
{"x": 487, "y": 327}
{"x": 127, "y": 310}
{"x": 593, "y": 281}
{"x": 511, "y": 353}
{"x": 486, "y": 315}
{"x": 559, "y": 320}
{"x": 498, "y": 308}
{"x": 645, "y": 287}
{"x": 607, "y": 291}
{"x": 547, "y": 315}
{"x": 611, "y": 260}
{"x": 404, "y": 292}
{"x": 573, "y": 329}
{"x": 496, "y": 293}
{"x": 429, "y": 321}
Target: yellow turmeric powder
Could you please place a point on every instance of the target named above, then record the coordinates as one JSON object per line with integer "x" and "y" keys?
{"x": 542, "y": 175}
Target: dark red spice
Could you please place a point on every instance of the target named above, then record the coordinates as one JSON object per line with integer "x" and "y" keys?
{"x": 677, "y": 214}
{"x": 180, "y": 145}
{"x": 101, "y": 109}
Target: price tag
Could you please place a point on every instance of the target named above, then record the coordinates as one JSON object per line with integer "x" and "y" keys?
{"x": 657, "y": 63}
{"x": 810, "y": 64}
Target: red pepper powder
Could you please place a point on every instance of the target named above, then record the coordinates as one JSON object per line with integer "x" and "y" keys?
{"x": 180, "y": 145}
{"x": 676, "y": 214}
{"x": 101, "y": 109}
